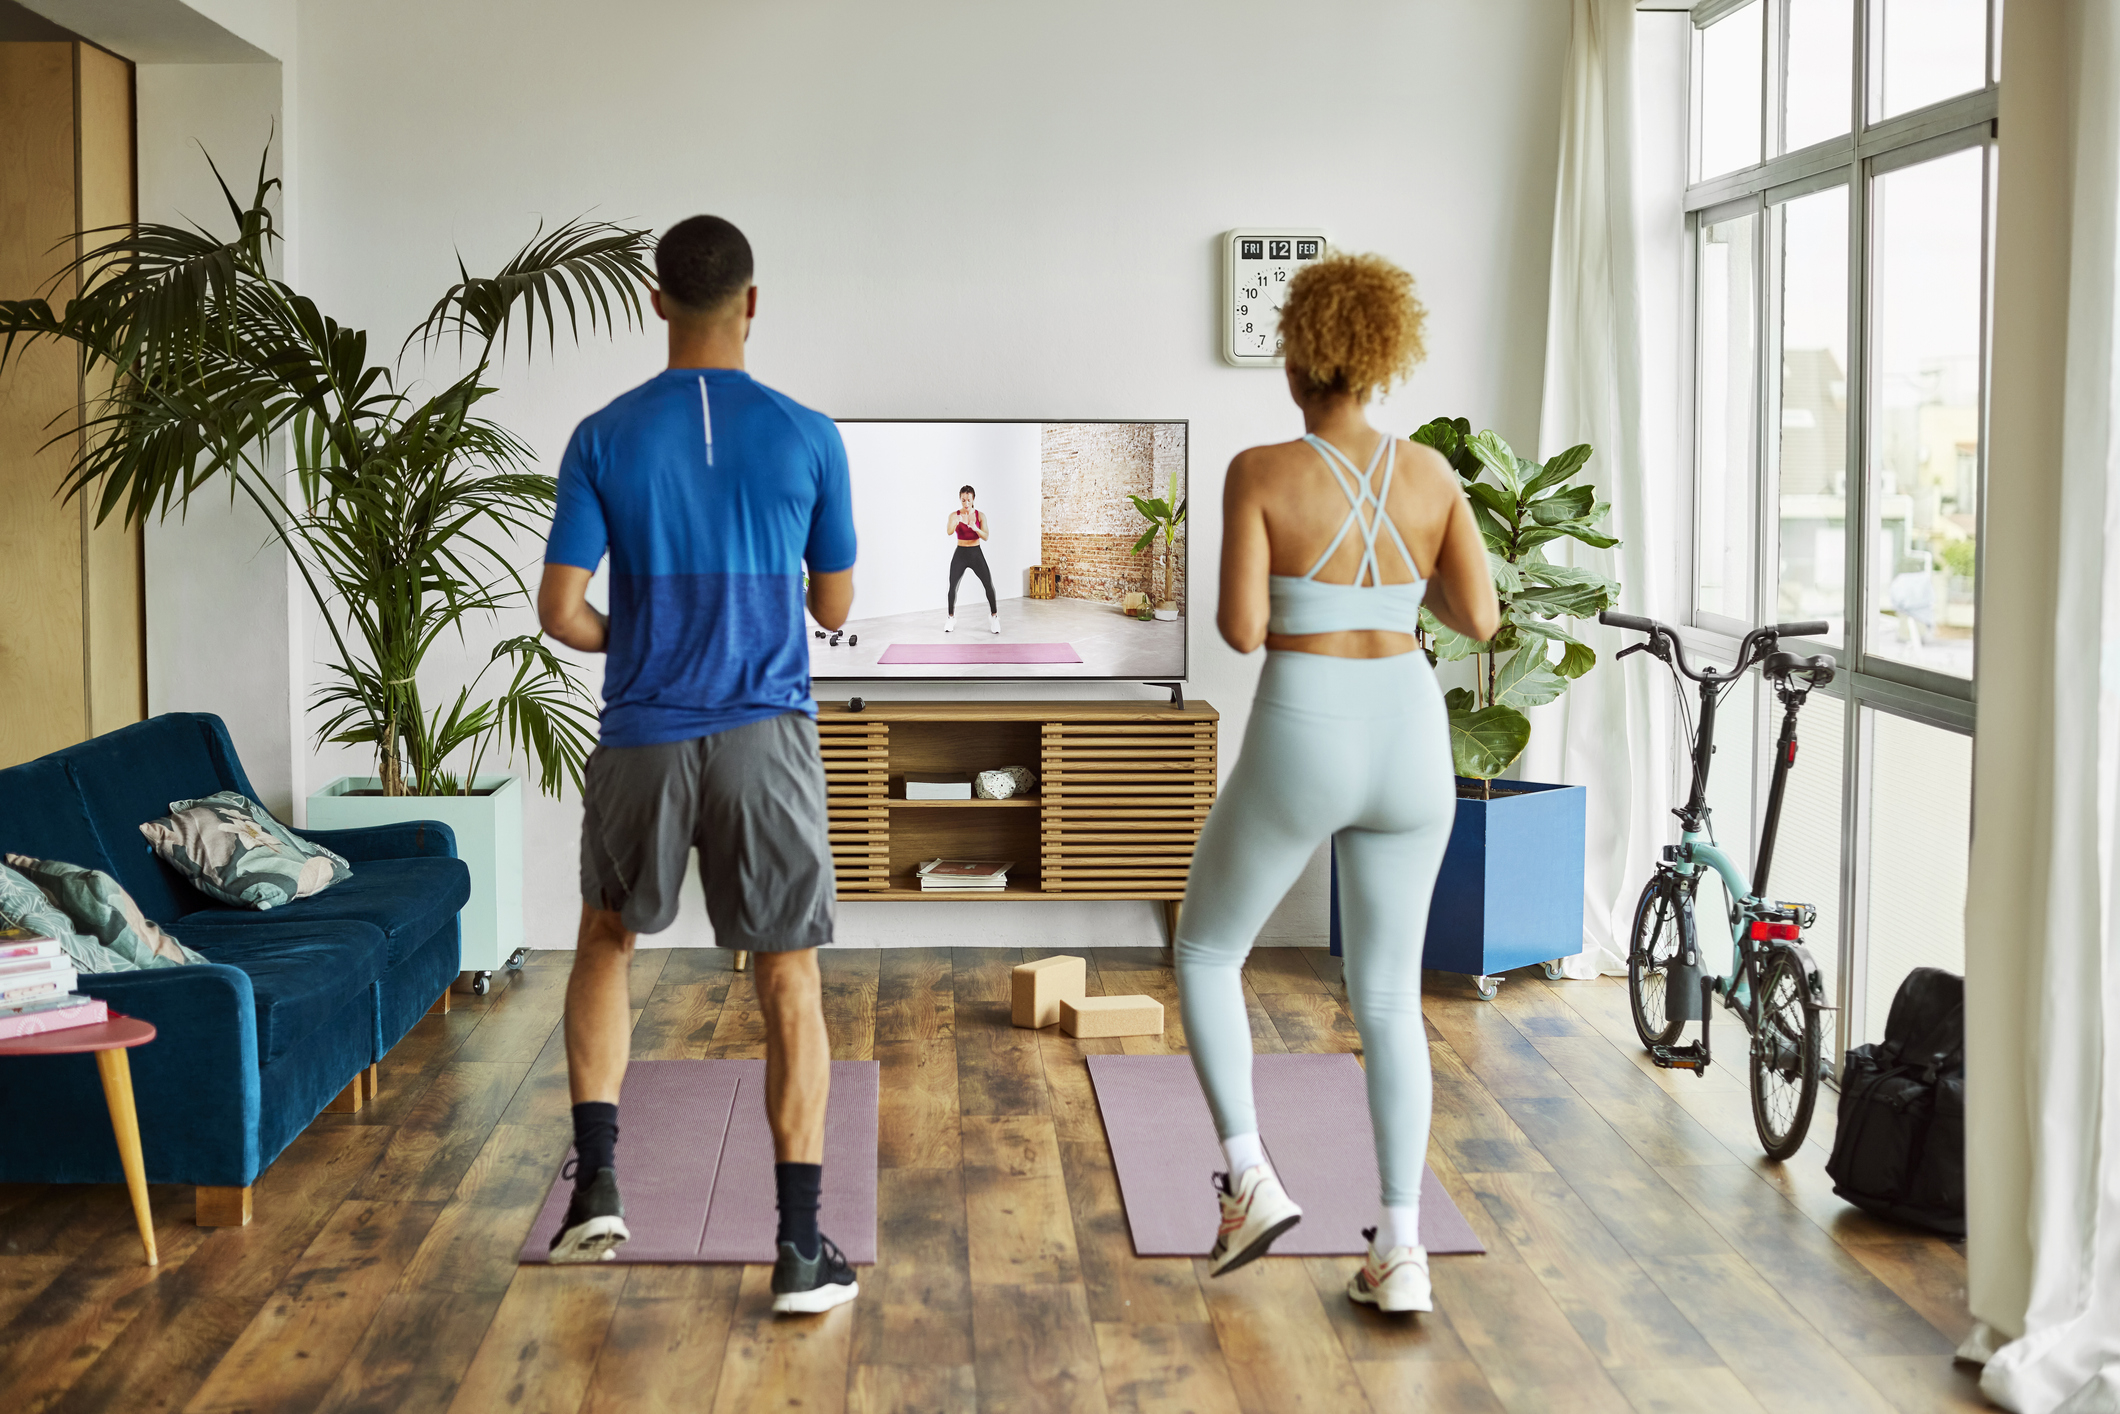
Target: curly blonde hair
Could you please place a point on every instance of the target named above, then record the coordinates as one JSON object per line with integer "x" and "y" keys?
{"x": 1352, "y": 324}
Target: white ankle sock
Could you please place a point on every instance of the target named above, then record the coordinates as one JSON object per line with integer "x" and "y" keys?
{"x": 1399, "y": 1227}
{"x": 1245, "y": 1152}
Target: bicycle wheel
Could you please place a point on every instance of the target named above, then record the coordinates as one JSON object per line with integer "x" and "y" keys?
{"x": 1785, "y": 1050}
{"x": 1659, "y": 933}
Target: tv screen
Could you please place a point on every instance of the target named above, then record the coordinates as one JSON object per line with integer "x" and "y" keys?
{"x": 1041, "y": 554}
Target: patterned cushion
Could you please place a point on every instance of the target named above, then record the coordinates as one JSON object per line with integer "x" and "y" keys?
{"x": 23, "y": 905}
{"x": 95, "y": 904}
{"x": 231, "y": 849}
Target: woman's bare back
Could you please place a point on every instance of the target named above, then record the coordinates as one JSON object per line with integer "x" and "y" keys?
{"x": 1305, "y": 508}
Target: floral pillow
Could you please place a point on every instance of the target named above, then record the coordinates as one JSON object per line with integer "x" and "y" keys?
{"x": 119, "y": 937}
{"x": 231, "y": 849}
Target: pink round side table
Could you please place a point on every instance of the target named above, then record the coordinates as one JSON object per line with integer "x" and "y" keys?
{"x": 109, "y": 1040}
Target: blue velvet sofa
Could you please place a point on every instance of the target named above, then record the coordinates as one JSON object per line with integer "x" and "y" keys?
{"x": 296, "y": 1003}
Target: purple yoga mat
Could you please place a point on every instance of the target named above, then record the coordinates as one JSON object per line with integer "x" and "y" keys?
{"x": 938, "y": 653}
{"x": 696, "y": 1164}
{"x": 1314, "y": 1121}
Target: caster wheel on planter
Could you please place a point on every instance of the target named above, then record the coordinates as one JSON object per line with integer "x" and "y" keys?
{"x": 1487, "y": 987}
{"x": 481, "y": 983}
{"x": 1553, "y": 970}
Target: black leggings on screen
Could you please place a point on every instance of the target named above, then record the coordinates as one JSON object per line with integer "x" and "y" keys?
{"x": 971, "y": 557}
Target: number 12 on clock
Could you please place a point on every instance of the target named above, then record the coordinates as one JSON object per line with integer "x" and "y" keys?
{"x": 1257, "y": 264}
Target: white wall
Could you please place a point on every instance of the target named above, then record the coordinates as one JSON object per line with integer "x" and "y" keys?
{"x": 959, "y": 209}
{"x": 220, "y": 632}
{"x": 905, "y": 478}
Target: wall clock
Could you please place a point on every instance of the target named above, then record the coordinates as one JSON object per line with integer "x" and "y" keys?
{"x": 1257, "y": 264}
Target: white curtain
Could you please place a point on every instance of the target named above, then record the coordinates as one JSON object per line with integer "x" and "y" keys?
{"x": 2068, "y": 1361}
{"x": 1611, "y": 732}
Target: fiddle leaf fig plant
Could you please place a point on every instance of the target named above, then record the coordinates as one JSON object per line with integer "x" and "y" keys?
{"x": 1521, "y": 507}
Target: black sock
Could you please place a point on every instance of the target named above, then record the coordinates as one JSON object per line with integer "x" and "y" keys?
{"x": 595, "y": 1140}
{"x": 798, "y": 1186}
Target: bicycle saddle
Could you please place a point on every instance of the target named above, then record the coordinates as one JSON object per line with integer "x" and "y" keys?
{"x": 1818, "y": 669}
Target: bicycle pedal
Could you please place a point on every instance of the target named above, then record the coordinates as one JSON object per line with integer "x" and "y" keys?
{"x": 1686, "y": 1057}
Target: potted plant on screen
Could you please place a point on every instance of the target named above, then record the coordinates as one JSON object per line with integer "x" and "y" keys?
{"x": 1511, "y": 888}
{"x": 1164, "y": 515}
{"x": 402, "y": 509}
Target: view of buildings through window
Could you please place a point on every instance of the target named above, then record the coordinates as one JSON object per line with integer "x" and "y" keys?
{"x": 1843, "y": 160}
{"x": 1812, "y": 501}
{"x": 1926, "y": 227}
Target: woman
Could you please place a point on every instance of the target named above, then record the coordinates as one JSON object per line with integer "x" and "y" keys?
{"x": 1329, "y": 545}
{"x": 968, "y": 527}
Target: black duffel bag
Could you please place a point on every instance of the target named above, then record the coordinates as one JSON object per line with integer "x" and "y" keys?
{"x": 1900, "y": 1151}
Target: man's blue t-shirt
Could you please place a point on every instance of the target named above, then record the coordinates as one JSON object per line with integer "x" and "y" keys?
{"x": 710, "y": 491}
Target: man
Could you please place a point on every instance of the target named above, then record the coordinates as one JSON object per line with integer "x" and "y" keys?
{"x": 711, "y": 492}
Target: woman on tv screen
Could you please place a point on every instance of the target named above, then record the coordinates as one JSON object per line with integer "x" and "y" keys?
{"x": 967, "y": 526}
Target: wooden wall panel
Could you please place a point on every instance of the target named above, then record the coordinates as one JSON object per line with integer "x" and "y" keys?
{"x": 43, "y": 682}
{"x": 114, "y": 584}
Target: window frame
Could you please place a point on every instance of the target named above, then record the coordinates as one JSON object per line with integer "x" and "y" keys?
{"x": 1853, "y": 159}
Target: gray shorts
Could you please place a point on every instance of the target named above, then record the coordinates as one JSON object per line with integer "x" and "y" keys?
{"x": 751, "y": 799}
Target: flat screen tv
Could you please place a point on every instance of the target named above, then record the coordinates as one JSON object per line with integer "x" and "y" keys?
{"x": 1053, "y": 528}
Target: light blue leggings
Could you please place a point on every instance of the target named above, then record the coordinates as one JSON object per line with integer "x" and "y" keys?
{"x": 1358, "y": 751}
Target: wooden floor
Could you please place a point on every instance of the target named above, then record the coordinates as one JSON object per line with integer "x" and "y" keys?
{"x": 1642, "y": 1257}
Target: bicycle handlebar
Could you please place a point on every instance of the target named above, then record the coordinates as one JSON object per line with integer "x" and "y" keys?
{"x": 1665, "y": 643}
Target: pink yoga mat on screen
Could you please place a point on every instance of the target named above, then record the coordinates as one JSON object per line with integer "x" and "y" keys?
{"x": 1314, "y": 1121}
{"x": 695, "y": 1164}
{"x": 943, "y": 653}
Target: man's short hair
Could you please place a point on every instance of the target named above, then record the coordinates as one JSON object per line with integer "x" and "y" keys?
{"x": 701, "y": 262}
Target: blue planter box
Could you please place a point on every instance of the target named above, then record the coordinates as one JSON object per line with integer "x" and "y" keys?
{"x": 1511, "y": 888}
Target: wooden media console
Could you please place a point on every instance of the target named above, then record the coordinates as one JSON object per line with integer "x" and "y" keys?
{"x": 1123, "y": 789}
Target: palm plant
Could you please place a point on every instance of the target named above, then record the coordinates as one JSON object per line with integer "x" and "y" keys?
{"x": 401, "y": 507}
{"x": 1164, "y": 515}
{"x": 1521, "y": 506}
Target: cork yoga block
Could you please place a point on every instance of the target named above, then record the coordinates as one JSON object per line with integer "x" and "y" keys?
{"x": 1112, "y": 1016}
{"x": 1036, "y": 989}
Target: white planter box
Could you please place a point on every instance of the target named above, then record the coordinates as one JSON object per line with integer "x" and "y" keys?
{"x": 489, "y": 839}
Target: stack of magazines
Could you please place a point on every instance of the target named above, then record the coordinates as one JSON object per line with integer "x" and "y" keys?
{"x": 958, "y": 875}
{"x": 37, "y": 987}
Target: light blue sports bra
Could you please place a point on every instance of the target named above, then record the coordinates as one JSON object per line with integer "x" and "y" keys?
{"x": 1308, "y": 605}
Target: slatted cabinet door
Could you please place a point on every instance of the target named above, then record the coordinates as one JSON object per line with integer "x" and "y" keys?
{"x": 857, "y": 757}
{"x": 1123, "y": 806}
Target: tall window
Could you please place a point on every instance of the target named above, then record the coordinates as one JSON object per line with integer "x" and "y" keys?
{"x": 1843, "y": 187}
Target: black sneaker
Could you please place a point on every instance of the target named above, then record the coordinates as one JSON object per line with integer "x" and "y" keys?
{"x": 806, "y": 1285}
{"x": 595, "y": 1222}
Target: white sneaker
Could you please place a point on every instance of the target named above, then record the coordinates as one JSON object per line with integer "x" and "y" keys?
{"x": 994, "y": 622}
{"x": 1393, "y": 1281}
{"x": 1257, "y": 1212}
{"x": 949, "y": 623}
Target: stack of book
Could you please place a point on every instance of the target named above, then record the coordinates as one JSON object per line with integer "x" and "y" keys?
{"x": 959, "y": 875}
{"x": 37, "y": 987}
{"x": 938, "y": 785}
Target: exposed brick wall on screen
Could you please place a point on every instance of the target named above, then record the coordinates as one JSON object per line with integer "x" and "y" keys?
{"x": 1089, "y": 471}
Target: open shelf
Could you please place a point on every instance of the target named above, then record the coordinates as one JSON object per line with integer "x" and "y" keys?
{"x": 1014, "y": 803}
{"x": 907, "y": 886}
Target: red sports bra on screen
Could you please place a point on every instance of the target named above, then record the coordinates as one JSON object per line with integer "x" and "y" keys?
{"x": 967, "y": 533}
